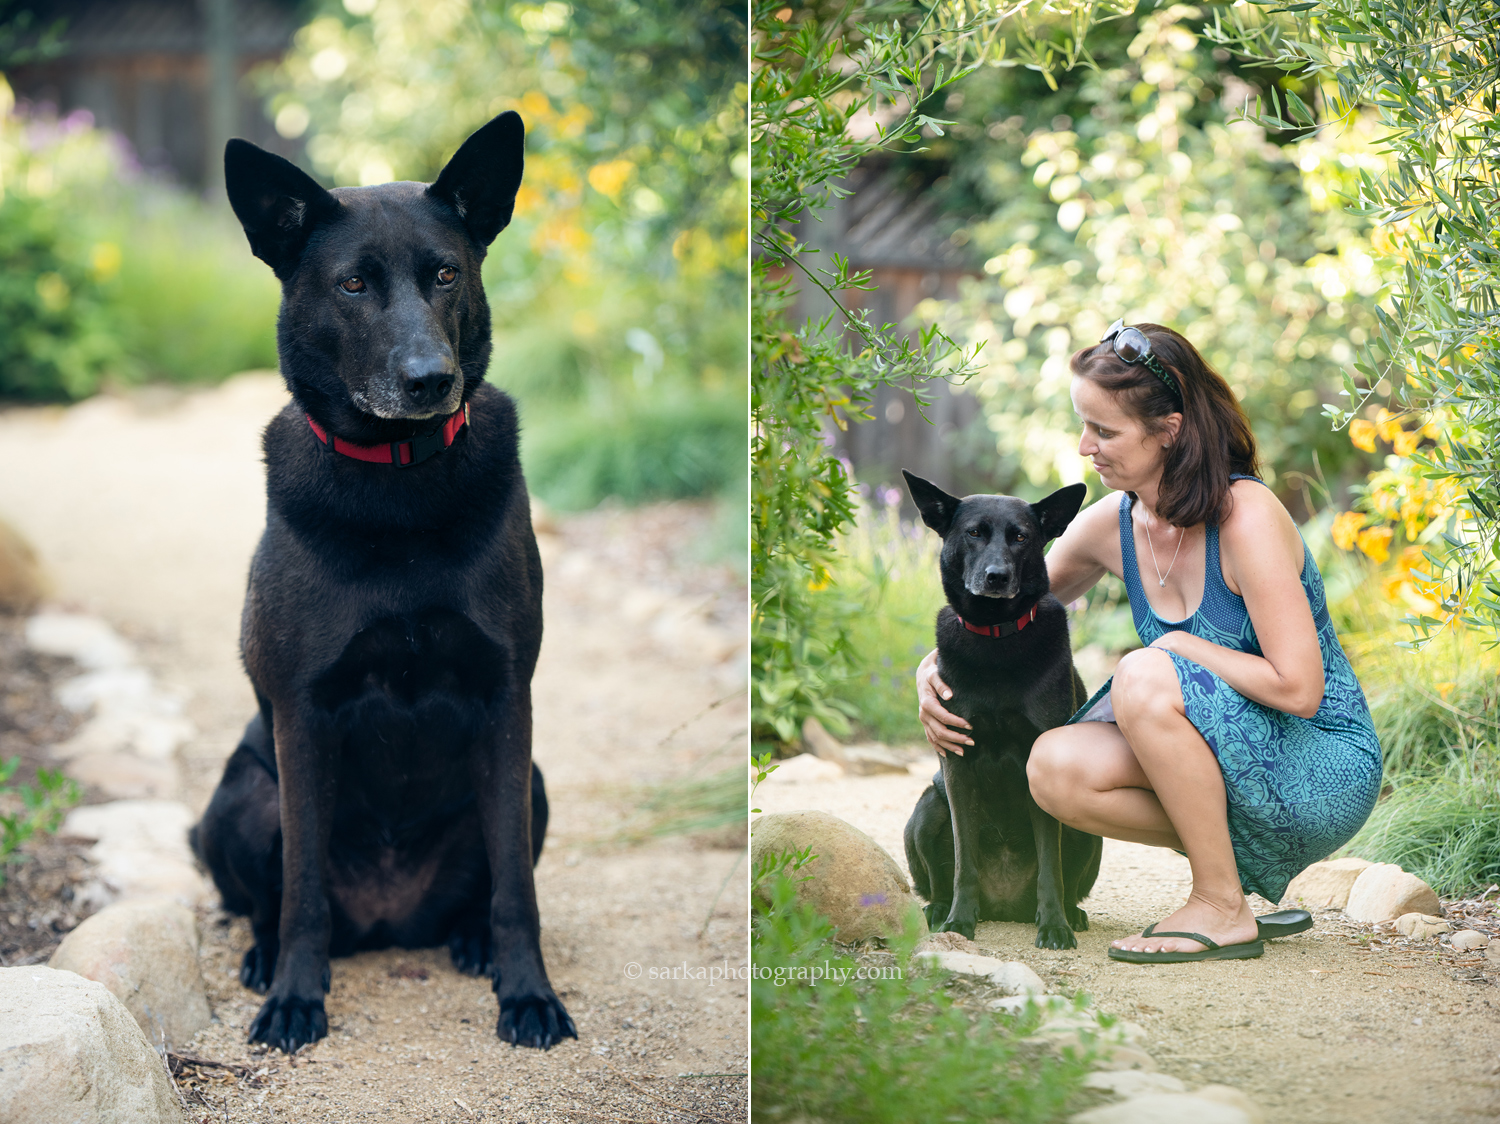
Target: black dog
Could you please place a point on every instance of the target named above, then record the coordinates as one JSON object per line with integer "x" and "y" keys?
{"x": 384, "y": 794}
{"x": 978, "y": 846}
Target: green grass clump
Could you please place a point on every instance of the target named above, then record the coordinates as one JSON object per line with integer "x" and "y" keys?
{"x": 672, "y": 447}
{"x": 1437, "y": 714}
{"x": 896, "y": 1049}
{"x": 1445, "y": 830}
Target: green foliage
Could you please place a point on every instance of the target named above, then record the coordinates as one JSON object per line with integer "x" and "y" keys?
{"x": 106, "y": 276}
{"x": 827, "y": 90}
{"x": 891, "y": 568}
{"x": 646, "y": 451}
{"x": 1445, "y": 830}
{"x": 1428, "y": 68}
{"x": 1129, "y": 193}
{"x": 895, "y": 1048}
{"x": 1437, "y": 714}
{"x": 41, "y": 808}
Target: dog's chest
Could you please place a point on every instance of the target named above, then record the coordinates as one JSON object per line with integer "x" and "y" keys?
{"x": 408, "y": 662}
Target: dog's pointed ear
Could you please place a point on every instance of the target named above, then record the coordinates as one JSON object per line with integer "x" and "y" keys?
{"x": 1056, "y": 511}
{"x": 937, "y": 506}
{"x": 482, "y": 179}
{"x": 276, "y": 202}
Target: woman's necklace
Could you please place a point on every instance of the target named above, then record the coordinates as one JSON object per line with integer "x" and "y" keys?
{"x": 1161, "y": 578}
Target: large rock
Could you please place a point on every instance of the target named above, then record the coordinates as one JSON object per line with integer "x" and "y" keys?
{"x": 1325, "y": 885}
{"x": 146, "y": 952}
{"x": 71, "y": 1054}
{"x": 853, "y": 882}
{"x": 1383, "y": 892}
{"x": 22, "y": 584}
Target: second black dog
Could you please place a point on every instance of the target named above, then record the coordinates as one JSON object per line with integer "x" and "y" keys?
{"x": 978, "y": 846}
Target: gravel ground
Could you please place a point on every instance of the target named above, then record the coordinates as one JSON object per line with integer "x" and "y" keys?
{"x": 1345, "y": 1024}
{"x": 145, "y": 509}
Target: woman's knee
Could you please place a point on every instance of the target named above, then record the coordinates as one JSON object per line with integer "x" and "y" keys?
{"x": 1145, "y": 687}
{"x": 1052, "y": 771}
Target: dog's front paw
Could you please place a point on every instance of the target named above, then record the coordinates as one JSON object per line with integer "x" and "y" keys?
{"x": 935, "y": 913}
{"x": 289, "y": 1022}
{"x": 1078, "y": 919}
{"x": 259, "y": 967}
{"x": 964, "y": 928}
{"x": 1055, "y": 936}
{"x": 534, "y": 1020}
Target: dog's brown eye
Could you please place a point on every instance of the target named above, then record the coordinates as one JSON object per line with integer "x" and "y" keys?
{"x": 974, "y": 532}
{"x": 353, "y": 285}
{"x": 1020, "y": 538}
{"x": 446, "y": 275}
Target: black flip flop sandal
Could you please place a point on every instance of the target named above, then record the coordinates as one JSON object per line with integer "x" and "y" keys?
{"x": 1283, "y": 924}
{"x": 1247, "y": 951}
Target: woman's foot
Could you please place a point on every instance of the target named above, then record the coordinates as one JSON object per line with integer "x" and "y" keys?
{"x": 1223, "y": 923}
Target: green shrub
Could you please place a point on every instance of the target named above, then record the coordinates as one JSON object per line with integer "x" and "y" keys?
{"x": 671, "y": 447}
{"x": 27, "y": 809}
{"x": 191, "y": 302}
{"x": 1444, "y": 829}
{"x": 897, "y": 1049}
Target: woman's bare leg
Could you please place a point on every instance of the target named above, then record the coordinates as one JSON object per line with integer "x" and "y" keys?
{"x": 1150, "y": 778}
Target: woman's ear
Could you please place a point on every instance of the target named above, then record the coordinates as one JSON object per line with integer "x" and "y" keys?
{"x": 1171, "y": 426}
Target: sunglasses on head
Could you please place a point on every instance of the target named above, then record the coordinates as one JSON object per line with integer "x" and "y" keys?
{"x": 1132, "y": 346}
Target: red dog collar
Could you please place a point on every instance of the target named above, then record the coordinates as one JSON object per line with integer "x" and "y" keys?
{"x": 402, "y": 454}
{"x": 1004, "y": 628}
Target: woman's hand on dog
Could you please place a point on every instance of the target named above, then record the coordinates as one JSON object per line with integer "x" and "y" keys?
{"x": 944, "y": 729}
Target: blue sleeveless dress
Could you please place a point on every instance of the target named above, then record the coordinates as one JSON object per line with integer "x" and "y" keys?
{"x": 1298, "y": 788}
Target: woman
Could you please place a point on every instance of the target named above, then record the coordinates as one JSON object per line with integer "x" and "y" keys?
{"x": 1239, "y": 735}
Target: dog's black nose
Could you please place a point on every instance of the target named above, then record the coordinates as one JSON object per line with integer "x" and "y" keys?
{"x": 426, "y": 388}
{"x": 996, "y": 575}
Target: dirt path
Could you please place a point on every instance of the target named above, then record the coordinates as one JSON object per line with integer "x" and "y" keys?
{"x": 145, "y": 510}
{"x": 1327, "y": 1027}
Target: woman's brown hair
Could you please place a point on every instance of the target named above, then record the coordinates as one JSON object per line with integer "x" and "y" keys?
{"x": 1214, "y": 440}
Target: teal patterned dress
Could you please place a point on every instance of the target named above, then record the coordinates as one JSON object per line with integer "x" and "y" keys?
{"x": 1298, "y": 788}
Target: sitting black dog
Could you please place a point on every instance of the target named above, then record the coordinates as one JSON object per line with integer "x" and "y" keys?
{"x": 978, "y": 846}
{"x": 384, "y": 793}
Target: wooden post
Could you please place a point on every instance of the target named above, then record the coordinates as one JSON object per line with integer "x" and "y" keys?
{"x": 223, "y": 92}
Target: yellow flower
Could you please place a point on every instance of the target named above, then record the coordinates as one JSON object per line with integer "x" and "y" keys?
{"x": 1362, "y": 433}
{"x": 1410, "y": 559}
{"x": 608, "y": 178}
{"x": 1346, "y": 526}
{"x": 1404, "y": 442}
{"x": 1445, "y": 689}
{"x": 1387, "y": 425}
{"x": 1376, "y": 542}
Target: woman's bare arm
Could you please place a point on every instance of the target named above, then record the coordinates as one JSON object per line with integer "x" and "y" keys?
{"x": 1261, "y": 554}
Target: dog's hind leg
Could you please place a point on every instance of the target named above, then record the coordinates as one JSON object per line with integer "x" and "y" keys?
{"x": 929, "y": 853}
{"x": 1052, "y": 924}
{"x": 538, "y": 814}
{"x": 239, "y": 840}
{"x": 1081, "y": 853}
